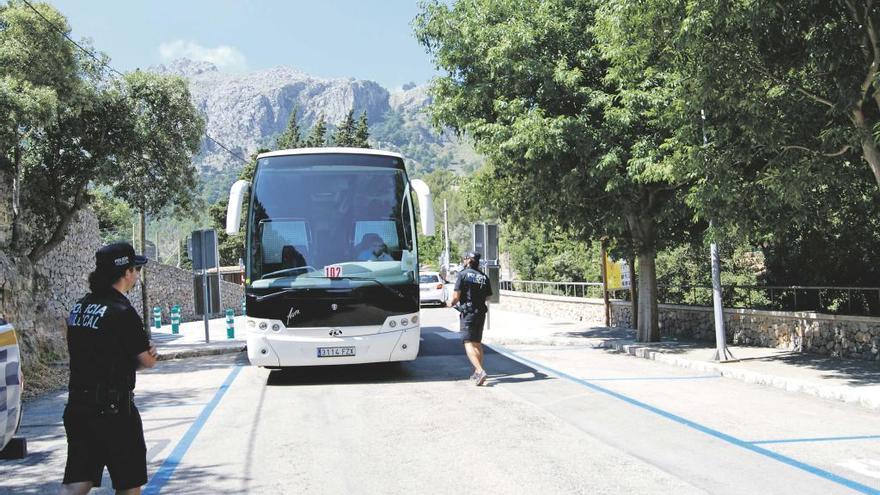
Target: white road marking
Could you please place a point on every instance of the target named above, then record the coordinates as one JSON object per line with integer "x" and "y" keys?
{"x": 867, "y": 467}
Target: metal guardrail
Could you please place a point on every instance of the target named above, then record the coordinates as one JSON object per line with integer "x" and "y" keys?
{"x": 853, "y": 301}
{"x": 571, "y": 289}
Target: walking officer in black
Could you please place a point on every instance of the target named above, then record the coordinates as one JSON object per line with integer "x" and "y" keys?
{"x": 107, "y": 344}
{"x": 472, "y": 288}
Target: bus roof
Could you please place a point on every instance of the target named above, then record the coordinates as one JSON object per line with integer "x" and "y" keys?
{"x": 323, "y": 151}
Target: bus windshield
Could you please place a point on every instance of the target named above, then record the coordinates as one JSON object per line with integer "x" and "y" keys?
{"x": 314, "y": 222}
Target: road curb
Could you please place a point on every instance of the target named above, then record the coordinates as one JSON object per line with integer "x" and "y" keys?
{"x": 842, "y": 394}
{"x": 193, "y": 353}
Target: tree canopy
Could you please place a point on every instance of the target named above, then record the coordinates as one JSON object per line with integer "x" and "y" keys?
{"x": 66, "y": 126}
{"x": 527, "y": 81}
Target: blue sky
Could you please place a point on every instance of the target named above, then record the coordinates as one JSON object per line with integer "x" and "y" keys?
{"x": 368, "y": 39}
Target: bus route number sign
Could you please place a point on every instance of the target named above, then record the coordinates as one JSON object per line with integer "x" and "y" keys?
{"x": 332, "y": 271}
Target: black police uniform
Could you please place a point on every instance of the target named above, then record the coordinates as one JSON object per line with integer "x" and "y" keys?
{"x": 474, "y": 288}
{"x": 104, "y": 336}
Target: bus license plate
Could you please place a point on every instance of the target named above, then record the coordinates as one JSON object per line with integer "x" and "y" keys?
{"x": 335, "y": 351}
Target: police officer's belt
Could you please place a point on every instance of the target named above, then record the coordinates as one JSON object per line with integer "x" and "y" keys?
{"x": 92, "y": 396}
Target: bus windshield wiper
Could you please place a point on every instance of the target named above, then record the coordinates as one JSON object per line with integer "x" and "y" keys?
{"x": 280, "y": 273}
{"x": 286, "y": 290}
{"x": 367, "y": 279}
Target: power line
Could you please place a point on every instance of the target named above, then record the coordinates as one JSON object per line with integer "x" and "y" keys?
{"x": 218, "y": 143}
{"x": 112, "y": 69}
{"x": 62, "y": 33}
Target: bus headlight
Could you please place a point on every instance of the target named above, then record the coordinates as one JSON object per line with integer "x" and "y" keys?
{"x": 263, "y": 326}
{"x": 415, "y": 319}
{"x": 404, "y": 322}
{"x": 276, "y": 327}
{"x": 392, "y": 323}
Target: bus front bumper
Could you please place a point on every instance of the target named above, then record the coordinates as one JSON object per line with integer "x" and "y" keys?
{"x": 282, "y": 350}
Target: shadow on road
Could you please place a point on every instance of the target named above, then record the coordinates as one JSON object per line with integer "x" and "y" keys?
{"x": 857, "y": 372}
{"x": 441, "y": 358}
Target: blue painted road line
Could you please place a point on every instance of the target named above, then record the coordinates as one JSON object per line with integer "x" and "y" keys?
{"x": 166, "y": 470}
{"x": 648, "y": 378}
{"x": 818, "y": 439}
{"x": 854, "y": 485}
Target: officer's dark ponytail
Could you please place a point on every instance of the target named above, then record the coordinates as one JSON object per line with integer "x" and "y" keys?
{"x": 103, "y": 280}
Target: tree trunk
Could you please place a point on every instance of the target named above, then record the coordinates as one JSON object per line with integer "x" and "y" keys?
{"x": 634, "y": 291}
{"x": 872, "y": 155}
{"x": 5, "y": 205}
{"x": 16, "y": 194}
{"x": 643, "y": 235}
{"x": 145, "y": 303}
{"x": 870, "y": 151}
{"x": 60, "y": 232}
{"x": 648, "y": 329}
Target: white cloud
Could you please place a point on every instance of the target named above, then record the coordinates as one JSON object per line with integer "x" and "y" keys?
{"x": 224, "y": 57}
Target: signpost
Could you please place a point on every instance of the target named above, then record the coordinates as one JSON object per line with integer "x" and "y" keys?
{"x": 486, "y": 243}
{"x": 206, "y": 285}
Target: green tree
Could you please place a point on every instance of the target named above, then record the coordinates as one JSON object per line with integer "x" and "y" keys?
{"x": 318, "y": 135}
{"x": 157, "y": 172}
{"x": 114, "y": 216}
{"x": 291, "y": 137}
{"x": 345, "y": 133}
{"x": 526, "y": 80}
{"x": 61, "y": 130}
{"x": 775, "y": 112}
{"x": 362, "y": 133}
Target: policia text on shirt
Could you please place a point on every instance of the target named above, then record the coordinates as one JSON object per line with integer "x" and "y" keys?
{"x": 107, "y": 345}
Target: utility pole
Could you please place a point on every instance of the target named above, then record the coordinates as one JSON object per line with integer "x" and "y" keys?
{"x": 722, "y": 353}
{"x": 602, "y": 255}
{"x": 445, "y": 236}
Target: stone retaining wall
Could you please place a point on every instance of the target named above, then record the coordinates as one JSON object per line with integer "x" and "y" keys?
{"x": 557, "y": 307}
{"x": 837, "y": 336}
{"x": 169, "y": 285}
{"x": 37, "y": 298}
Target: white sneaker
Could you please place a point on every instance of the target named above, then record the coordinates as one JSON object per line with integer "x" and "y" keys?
{"x": 480, "y": 378}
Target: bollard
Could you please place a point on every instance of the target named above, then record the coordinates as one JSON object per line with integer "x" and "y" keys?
{"x": 157, "y": 317}
{"x": 230, "y": 323}
{"x": 175, "y": 319}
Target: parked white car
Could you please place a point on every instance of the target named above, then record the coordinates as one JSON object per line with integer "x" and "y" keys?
{"x": 432, "y": 288}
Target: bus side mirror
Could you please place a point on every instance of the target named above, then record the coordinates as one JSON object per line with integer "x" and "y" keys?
{"x": 233, "y": 210}
{"x": 426, "y": 206}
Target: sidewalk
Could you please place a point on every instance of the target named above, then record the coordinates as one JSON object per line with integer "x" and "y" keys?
{"x": 846, "y": 380}
{"x": 190, "y": 341}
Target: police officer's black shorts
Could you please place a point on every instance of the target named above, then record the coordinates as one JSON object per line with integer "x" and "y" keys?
{"x": 472, "y": 326}
{"x": 115, "y": 441}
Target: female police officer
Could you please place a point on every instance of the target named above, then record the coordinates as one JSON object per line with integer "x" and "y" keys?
{"x": 471, "y": 290}
{"x": 107, "y": 344}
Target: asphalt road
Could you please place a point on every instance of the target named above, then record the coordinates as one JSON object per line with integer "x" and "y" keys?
{"x": 550, "y": 420}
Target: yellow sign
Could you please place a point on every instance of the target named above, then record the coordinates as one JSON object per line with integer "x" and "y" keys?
{"x": 612, "y": 274}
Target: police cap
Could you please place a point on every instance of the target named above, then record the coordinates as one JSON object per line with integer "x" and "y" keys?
{"x": 118, "y": 256}
{"x": 472, "y": 255}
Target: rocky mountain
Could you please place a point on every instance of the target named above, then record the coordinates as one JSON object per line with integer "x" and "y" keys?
{"x": 247, "y": 111}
